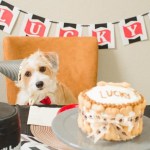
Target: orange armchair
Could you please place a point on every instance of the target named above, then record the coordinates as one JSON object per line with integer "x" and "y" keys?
{"x": 78, "y": 58}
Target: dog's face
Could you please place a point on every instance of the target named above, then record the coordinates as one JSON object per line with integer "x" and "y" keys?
{"x": 38, "y": 73}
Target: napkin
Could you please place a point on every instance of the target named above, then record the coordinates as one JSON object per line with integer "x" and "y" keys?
{"x": 42, "y": 116}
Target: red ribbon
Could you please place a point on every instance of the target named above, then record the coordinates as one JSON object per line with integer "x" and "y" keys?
{"x": 46, "y": 101}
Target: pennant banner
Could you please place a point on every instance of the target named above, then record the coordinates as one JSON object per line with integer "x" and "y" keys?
{"x": 104, "y": 33}
{"x": 132, "y": 30}
{"x": 68, "y": 30}
{"x": 8, "y": 16}
{"x": 34, "y": 25}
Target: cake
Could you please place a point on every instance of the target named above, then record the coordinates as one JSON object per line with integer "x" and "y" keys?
{"x": 111, "y": 111}
{"x": 9, "y": 127}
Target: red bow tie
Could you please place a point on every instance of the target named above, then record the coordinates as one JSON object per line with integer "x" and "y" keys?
{"x": 46, "y": 101}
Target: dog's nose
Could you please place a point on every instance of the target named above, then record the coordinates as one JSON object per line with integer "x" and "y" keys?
{"x": 39, "y": 84}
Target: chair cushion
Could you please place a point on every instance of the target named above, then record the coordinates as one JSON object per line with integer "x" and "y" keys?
{"x": 78, "y": 58}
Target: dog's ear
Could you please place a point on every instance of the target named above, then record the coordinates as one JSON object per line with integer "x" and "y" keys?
{"x": 53, "y": 59}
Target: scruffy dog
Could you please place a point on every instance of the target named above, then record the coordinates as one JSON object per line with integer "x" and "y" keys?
{"x": 38, "y": 82}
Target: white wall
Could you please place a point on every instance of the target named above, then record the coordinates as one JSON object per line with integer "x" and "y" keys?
{"x": 125, "y": 63}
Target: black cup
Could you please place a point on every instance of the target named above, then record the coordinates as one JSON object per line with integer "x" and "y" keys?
{"x": 9, "y": 127}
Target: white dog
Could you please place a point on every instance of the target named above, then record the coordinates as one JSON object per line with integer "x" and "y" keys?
{"x": 38, "y": 83}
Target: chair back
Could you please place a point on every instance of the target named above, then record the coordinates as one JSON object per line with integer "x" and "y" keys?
{"x": 78, "y": 57}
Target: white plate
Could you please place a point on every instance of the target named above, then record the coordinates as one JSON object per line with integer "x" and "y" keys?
{"x": 66, "y": 129}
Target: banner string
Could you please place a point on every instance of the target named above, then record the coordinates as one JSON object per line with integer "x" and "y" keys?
{"x": 85, "y": 25}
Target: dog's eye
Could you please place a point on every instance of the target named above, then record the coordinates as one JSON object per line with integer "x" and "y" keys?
{"x": 28, "y": 74}
{"x": 42, "y": 69}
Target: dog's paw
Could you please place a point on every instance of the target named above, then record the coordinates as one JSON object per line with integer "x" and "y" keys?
{"x": 31, "y": 101}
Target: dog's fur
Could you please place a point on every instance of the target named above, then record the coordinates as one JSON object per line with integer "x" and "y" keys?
{"x": 41, "y": 67}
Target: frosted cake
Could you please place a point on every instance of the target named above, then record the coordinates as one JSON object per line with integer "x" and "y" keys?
{"x": 111, "y": 111}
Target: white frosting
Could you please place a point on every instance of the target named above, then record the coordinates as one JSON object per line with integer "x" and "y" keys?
{"x": 109, "y": 94}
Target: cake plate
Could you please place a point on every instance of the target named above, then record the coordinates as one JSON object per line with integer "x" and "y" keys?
{"x": 66, "y": 129}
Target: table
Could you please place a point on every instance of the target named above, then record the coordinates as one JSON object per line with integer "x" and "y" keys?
{"x": 27, "y": 139}
{"x": 31, "y": 143}
{"x": 24, "y": 110}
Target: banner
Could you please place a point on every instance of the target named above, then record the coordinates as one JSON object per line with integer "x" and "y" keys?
{"x": 8, "y": 16}
{"x": 34, "y": 25}
{"x": 132, "y": 30}
{"x": 68, "y": 30}
{"x": 104, "y": 33}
